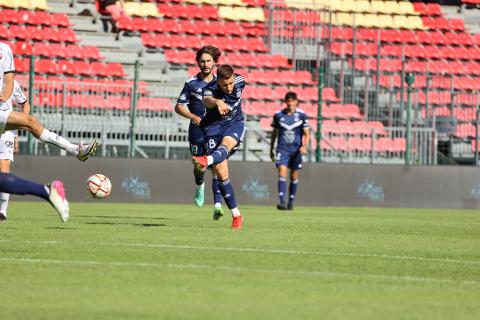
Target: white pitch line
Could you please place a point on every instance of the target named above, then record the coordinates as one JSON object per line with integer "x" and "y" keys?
{"x": 282, "y": 251}
{"x": 326, "y": 274}
{"x": 260, "y": 250}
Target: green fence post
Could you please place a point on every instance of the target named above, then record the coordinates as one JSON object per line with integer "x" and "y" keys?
{"x": 409, "y": 79}
{"x": 477, "y": 110}
{"x": 30, "y": 99}
{"x": 319, "y": 113}
{"x": 133, "y": 111}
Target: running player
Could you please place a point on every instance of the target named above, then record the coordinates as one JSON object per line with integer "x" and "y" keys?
{"x": 11, "y": 120}
{"x": 54, "y": 193}
{"x": 7, "y": 144}
{"x": 291, "y": 127}
{"x": 224, "y": 131}
{"x": 190, "y": 106}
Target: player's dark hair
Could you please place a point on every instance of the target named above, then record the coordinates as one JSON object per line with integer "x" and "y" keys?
{"x": 225, "y": 71}
{"x": 291, "y": 95}
{"x": 211, "y": 50}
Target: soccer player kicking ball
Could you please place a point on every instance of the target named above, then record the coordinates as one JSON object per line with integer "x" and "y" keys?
{"x": 291, "y": 127}
{"x": 190, "y": 106}
{"x": 11, "y": 120}
{"x": 224, "y": 131}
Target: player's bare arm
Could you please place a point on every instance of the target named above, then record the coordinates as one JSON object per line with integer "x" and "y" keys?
{"x": 181, "y": 110}
{"x": 7, "y": 87}
{"x": 306, "y": 140}
{"x": 272, "y": 143}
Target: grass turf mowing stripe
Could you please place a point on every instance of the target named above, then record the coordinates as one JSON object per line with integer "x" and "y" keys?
{"x": 259, "y": 250}
{"x": 328, "y": 274}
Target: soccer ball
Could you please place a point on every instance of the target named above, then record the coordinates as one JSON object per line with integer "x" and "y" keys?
{"x": 99, "y": 186}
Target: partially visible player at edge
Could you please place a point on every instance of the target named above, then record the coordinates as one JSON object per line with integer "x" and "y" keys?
{"x": 7, "y": 144}
{"x": 11, "y": 120}
{"x": 190, "y": 106}
{"x": 290, "y": 125}
{"x": 54, "y": 192}
{"x": 224, "y": 131}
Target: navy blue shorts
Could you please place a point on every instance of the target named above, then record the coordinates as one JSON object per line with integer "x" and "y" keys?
{"x": 216, "y": 132}
{"x": 291, "y": 160}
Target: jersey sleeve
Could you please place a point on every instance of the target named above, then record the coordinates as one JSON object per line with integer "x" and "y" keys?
{"x": 275, "y": 122}
{"x": 8, "y": 62}
{"x": 305, "y": 121}
{"x": 18, "y": 94}
{"x": 184, "y": 97}
{"x": 240, "y": 82}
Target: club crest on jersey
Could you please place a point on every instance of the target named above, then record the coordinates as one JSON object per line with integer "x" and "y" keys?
{"x": 183, "y": 96}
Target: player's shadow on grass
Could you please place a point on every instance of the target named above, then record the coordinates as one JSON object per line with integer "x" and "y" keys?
{"x": 147, "y": 225}
{"x": 59, "y": 228}
{"x": 122, "y": 217}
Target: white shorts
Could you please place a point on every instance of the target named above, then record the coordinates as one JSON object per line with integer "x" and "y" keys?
{"x": 7, "y": 144}
{"x": 3, "y": 118}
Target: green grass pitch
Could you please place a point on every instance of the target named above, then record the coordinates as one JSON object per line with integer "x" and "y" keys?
{"x": 131, "y": 261}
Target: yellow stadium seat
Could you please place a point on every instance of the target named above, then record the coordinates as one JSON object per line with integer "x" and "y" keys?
{"x": 344, "y": 19}
{"x": 406, "y": 8}
{"x": 342, "y": 5}
{"x": 391, "y": 7}
{"x": 39, "y": 4}
{"x": 257, "y": 14}
{"x": 132, "y": 8}
{"x": 363, "y": 6}
{"x": 24, "y": 4}
{"x": 415, "y": 22}
{"x": 385, "y": 21}
{"x": 336, "y": 5}
{"x": 367, "y": 20}
{"x": 401, "y": 22}
{"x": 9, "y": 3}
{"x": 241, "y": 13}
{"x": 148, "y": 9}
{"x": 226, "y": 12}
{"x": 385, "y": 7}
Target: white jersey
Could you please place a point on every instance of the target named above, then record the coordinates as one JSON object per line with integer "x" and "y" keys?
{"x": 7, "y": 65}
{"x": 17, "y": 96}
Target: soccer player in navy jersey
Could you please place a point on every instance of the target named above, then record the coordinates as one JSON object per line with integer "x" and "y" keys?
{"x": 224, "y": 131}
{"x": 291, "y": 128}
{"x": 190, "y": 106}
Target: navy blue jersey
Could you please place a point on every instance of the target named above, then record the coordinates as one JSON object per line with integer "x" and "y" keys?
{"x": 191, "y": 95}
{"x": 233, "y": 100}
{"x": 290, "y": 129}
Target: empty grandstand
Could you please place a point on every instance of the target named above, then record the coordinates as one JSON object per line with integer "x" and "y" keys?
{"x": 120, "y": 86}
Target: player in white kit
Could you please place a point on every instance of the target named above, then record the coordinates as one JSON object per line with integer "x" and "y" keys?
{"x": 7, "y": 142}
{"x": 11, "y": 120}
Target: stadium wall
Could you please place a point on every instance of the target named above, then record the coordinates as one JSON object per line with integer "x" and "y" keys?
{"x": 170, "y": 181}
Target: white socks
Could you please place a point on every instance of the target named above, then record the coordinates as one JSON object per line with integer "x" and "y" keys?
{"x": 4, "y": 202}
{"x": 235, "y": 212}
{"x": 217, "y": 205}
{"x": 209, "y": 160}
{"x": 53, "y": 138}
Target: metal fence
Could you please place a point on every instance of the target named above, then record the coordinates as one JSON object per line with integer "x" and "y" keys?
{"x": 368, "y": 66}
